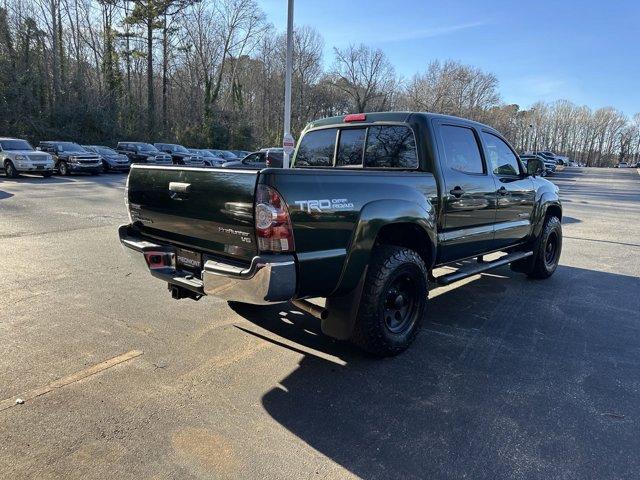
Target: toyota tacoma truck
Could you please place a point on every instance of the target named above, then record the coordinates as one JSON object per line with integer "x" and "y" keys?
{"x": 372, "y": 205}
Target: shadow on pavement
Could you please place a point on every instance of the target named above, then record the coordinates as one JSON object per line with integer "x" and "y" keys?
{"x": 569, "y": 220}
{"x": 508, "y": 378}
{"x": 4, "y": 195}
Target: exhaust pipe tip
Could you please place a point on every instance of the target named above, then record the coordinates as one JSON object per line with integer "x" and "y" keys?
{"x": 311, "y": 308}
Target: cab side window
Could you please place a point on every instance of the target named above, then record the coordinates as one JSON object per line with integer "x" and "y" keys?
{"x": 350, "y": 147}
{"x": 316, "y": 149}
{"x": 461, "y": 150}
{"x": 501, "y": 158}
{"x": 390, "y": 147}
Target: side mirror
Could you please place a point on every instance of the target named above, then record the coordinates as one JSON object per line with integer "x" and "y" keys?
{"x": 535, "y": 167}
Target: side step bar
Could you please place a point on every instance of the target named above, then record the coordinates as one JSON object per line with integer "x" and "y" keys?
{"x": 480, "y": 267}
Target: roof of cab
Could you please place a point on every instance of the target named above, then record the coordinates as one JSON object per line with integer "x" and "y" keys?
{"x": 400, "y": 117}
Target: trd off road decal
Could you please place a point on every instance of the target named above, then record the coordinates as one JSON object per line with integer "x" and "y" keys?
{"x": 324, "y": 204}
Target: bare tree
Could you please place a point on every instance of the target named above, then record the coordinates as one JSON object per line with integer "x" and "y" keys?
{"x": 365, "y": 75}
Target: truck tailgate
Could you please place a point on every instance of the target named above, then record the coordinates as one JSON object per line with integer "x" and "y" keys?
{"x": 210, "y": 210}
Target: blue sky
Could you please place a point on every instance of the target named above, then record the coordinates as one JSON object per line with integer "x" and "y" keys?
{"x": 584, "y": 51}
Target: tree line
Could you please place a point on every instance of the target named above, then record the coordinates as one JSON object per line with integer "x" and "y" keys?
{"x": 211, "y": 73}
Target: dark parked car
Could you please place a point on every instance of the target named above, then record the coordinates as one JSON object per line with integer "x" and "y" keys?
{"x": 69, "y": 157}
{"x": 549, "y": 165}
{"x": 267, "y": 157}
{"x": 112, "y": 161}
{"x": 228, "y": 155}
{"x": 140, "y": 152}
{"x": 208, "y": 158}
{"x": 373, "y": 205}
{"x": 180, "y": 155}
{"x": 550, "y": 156}
{"x": 240, "y": 153}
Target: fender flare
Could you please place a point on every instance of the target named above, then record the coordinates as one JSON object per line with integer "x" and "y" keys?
{"x": 343, "y": 302}
{"x": 548, "y": 199}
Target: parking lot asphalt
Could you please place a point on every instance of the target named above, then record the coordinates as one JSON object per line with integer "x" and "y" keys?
{"x": 509, "y": 378}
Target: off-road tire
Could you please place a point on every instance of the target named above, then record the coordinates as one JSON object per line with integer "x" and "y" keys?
{"x": 11, "y": 170}
{"x": 545, "y": 259}
{"x": 372, "y": 330}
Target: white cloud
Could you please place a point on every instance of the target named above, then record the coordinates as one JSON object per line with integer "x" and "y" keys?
{"x": 388, "y": 34}
{"x": 427, "y": 32}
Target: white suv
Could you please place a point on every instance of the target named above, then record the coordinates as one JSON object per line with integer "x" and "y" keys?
{"x": 18, "y": 156}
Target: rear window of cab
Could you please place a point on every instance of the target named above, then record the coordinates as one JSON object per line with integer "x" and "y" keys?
{"x": 375, "y": 146}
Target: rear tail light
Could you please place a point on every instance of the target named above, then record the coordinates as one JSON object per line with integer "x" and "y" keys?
{"x": 273, "y": 224}
{"x": 268, "y": 161}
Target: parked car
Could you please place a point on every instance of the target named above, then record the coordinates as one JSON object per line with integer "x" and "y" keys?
{"x": 240, "y": 153}
{"x": 373, "y": 204}
{"x": 547, "y": 154}
{"x": 69, "y": 157}
{"x": 140, "y": 152}
{"x": 264, "y": 158}
{"x": 180, "y": 155}
{"x": 208, "y": 158}
{"x": 226, "y": 154}
{"x": 112, "y": 161}
{"x": 526, "y": 158}
{"x": 550, "y": 165}
{"x": 622, "y": 165}
{"x": 18, "y": 156}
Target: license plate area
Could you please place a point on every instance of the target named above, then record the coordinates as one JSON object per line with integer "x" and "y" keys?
{"x": 188, "y": 259}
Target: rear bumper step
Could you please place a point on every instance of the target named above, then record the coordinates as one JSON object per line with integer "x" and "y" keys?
{"x": 268, "y": 279}
{"x": 480, "y": 267}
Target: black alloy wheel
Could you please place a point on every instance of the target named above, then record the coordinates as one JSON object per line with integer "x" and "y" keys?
{"x": 400, "y": 304}
{"x": 551, "y": 250}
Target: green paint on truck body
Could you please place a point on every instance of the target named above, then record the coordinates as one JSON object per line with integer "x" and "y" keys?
{"x": 338, "y": 214}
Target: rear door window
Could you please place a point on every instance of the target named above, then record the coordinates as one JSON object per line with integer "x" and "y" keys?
{"x": 461, "y": 151}
{"x": 390, "y": 146}
{"x": 350, "y": 147}
{"x": 316, "y": 148}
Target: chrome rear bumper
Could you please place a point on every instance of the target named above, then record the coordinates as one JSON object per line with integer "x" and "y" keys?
{"x": 268, "y": 279}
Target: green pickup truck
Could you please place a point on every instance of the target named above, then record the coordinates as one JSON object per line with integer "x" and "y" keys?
{"x": 374, "y": 202}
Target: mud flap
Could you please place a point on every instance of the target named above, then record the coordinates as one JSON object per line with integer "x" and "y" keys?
{"x": 343, "y": 312}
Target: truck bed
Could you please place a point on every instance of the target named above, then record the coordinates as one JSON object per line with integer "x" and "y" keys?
{"x": 212, "y": 211}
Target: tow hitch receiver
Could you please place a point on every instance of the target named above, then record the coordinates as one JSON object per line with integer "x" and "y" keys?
{"x": 178, "y": 293}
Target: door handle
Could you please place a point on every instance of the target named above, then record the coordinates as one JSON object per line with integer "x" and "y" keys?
{"x": 457, "y": 192}
{"x": 179, "y": 187}
{"x": 503, "y": 191}
{"x": 179, "y": 190}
